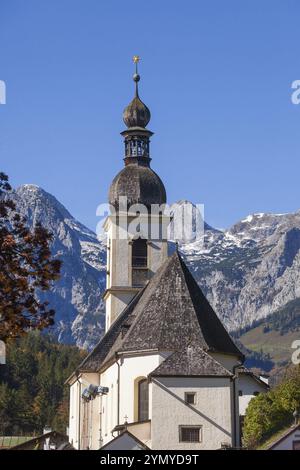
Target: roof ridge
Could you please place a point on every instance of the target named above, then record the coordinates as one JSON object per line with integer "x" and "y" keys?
{"x": 114, "y": 327}
{"x": 135, "y": 319}
{"x": 168, "y": 313}
{"x": 192, "y": 284}
{"x": 159, "y": 273}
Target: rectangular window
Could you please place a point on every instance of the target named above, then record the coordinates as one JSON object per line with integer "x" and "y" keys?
{"x": 143, "y": 403}
{"x": 190, "y": 398}
{"x": 139, "y": 253}
{"x": 190, "y": 433}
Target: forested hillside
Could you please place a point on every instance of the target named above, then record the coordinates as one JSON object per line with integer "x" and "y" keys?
{"x": 32, "y": 391}
{"x": 267, "y": 343}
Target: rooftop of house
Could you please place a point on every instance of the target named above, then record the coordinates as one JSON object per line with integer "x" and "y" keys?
{"x": 125, "y": 437}
{"x": 280, "y": 436}
{"x": 264, "y": 383}
{"x": 56, "y": 439}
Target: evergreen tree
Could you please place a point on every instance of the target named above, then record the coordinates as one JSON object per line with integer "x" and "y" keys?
{"x": 32, "y": 390}
{"x": 268, "y": 413}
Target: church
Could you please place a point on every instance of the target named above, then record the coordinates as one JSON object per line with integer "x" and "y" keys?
{"x": 166, "y": 374}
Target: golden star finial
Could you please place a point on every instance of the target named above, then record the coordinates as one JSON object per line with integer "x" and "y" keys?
{"x": 136, "y": 59}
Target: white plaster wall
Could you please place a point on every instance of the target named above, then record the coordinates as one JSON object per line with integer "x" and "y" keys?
{"x": 109, "y": 404}
{"x": 212, "y": 411}
{"x": 89, "y": 436}
{"x": 119, "y": 267}
{"x": 142, "y": 431}
{"x": 115, "y": 304}
{"x": 166, "y": 412}
{"x": 108, "y": 312}
{"x": 129, "y": 369}
{"x": 122, "y": 263}
{"x": 158, "y": 252}
{"x": 118, "y": 257}
{"x": 248, "y": 385}
{"x": 226, "y": 360}
{"x": 73, "y": 414}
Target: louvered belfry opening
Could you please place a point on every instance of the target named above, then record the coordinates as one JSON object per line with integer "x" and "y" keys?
{"x": 139, "y": 253}
{"x": 139, "y": 262}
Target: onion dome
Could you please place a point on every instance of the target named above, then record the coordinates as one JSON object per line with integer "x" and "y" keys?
{"x": 137, "y": 181}
{"x": 140, "y": 184}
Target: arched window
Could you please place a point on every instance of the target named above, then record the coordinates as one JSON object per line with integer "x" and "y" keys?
{"x": 143, "y": 400}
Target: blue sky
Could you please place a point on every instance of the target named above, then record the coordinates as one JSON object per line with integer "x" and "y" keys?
{"x": 216, "y": 75}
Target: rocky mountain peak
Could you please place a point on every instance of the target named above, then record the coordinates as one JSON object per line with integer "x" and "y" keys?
{"x": 247, "y": 271}
{"x": 77, "y": 296}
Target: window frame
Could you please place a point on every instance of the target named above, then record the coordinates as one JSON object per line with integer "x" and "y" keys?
{"x": 136, "y": 254}
{"x": 191, "y": 426}
{"x": 140, "y": 382}
{"x": 194, "y": 395}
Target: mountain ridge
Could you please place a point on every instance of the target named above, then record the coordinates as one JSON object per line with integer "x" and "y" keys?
{"x": 247, "y": 271}
{"x": 77, "y": 296}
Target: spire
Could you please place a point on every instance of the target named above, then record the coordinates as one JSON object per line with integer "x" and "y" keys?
{"x": 136, "y": 114}
{"x": 136, "y": 77}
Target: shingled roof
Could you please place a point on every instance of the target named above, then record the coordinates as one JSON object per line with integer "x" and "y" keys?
{"x": 169, "y": 314}
{"x": 191, "y": 361}
{"x": 173, "y": 313}
{"x": 112, "y": 338}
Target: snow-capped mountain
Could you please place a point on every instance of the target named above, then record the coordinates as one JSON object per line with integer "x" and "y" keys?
{"x": 77, "y": 296}
{"x": 251, "y": 269}
{"x": 247, "y": 271}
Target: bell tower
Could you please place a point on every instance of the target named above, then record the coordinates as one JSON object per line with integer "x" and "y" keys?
{"x": 137, "y": 226}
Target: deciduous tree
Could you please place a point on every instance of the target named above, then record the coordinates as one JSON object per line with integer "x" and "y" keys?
{"x": 26, "y": 266}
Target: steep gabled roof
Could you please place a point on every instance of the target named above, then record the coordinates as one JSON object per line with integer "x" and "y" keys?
{"x": 191, "y": 361}
{"x": 286, "y": 433}
{"x": 123, "y": 441}
{"x": 169, "y": 314}
{"x": 244, "y": 370}
{"x": 109, "y": 342}
{"x": 60, "y": 440}
{"x": 173, "y": 312}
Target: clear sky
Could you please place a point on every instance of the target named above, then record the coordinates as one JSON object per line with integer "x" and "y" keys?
{"x": 215, "y": 74}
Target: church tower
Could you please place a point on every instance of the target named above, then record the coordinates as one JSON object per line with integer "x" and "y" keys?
{"x": 137, "y": 226}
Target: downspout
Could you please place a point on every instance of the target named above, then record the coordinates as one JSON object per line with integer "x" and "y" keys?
{"x": 91, "y": 426}
{"x": 79, "y": 407}
{"x": 100, "y": 419}
{"x": 235, "y": 376}
{"x": 118, "y": 404}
